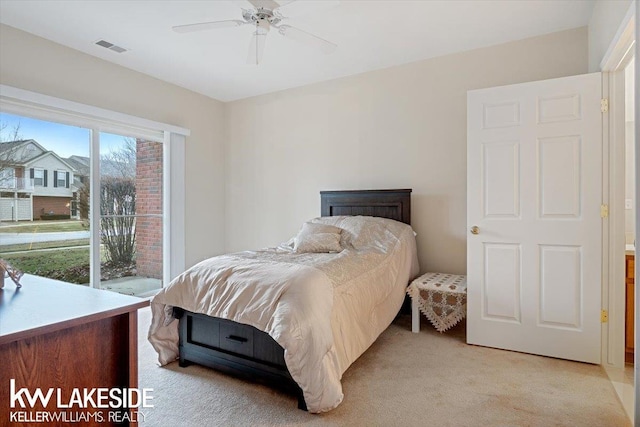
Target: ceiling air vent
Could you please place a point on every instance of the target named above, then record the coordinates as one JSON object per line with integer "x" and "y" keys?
{"x": 111, "y": 46}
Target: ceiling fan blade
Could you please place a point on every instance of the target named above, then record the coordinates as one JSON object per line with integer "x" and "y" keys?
{"x": 256, "y": 48}
{"x": 296, "y": 8}
{"x": 307, "y": 38}
{"x": 207, "y": 26}
{"x": 284, "y": 2}
{"x": 264, "y": 4}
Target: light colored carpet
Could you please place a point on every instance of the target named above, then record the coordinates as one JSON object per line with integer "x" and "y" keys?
{"x": 425, "y": 379}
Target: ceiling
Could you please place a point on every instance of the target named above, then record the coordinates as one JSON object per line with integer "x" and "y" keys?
{"x": 370, "y": 35}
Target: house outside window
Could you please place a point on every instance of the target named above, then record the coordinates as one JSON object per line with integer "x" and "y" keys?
{"x": 38, "y": 177}
{"x": 61, "y": 180}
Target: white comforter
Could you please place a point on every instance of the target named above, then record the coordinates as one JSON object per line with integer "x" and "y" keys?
{"x": 325, "y": 310}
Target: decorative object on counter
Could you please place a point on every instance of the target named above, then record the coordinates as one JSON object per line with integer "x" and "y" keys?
{"x": 441, "y": 297}
{"x": 7, "y": 270}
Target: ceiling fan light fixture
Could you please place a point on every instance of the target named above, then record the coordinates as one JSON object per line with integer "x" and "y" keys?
{"x": 263, "y": 26}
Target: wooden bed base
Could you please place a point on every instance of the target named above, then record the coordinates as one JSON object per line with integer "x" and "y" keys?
{"x": 245, "y": 351}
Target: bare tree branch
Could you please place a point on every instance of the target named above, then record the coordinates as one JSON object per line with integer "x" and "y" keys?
{"x": 118, "y": 207}
{"x": 118, "y": 202}
{"x": 120, "y": 163}
{"x": 9, "y": 153}
{"x": 10, "y": 133}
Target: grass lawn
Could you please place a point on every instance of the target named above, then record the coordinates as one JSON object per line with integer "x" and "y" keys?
{"x": 66, "y": 264}
{"x": 40, "y": 261}
{"x": 44, "y": 227}
{"x": 43, "y": 245}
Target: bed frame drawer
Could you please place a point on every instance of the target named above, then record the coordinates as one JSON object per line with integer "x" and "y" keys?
{"x": 202, "y": 332}
{"x": 236, "y": 338}
{"x": 268, "y": 350}
{"x": 234, "y": 348}
{"x": 221, "y": 336}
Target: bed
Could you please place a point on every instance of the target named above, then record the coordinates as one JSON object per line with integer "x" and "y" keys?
{"x": 250, "y": 341}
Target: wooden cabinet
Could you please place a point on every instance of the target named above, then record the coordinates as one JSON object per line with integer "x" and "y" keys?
{"x": 630, "y": 308}
{"x": 62, "y": 336}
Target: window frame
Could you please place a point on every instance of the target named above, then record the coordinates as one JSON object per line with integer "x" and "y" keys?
{"x": 18, "y": 101}
{"x": 35, "y": 178}
{"x": 64, "y": 178}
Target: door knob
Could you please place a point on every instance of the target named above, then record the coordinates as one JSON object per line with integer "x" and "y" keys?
{"x": 475, "y": 230}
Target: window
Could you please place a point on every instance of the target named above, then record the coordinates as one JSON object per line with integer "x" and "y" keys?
{"x": 61, "y": 180}
{"x": 165, "y": 257}
{"x": 38, "y": 177}
{"x": 131, "y": 212}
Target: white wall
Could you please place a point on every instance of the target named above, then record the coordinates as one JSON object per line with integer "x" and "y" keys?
{"x": 402, "y": 127}
{"x": 630, "y": 176}
{"x": 38, "y": 65}
{"x": 605, "y": 20}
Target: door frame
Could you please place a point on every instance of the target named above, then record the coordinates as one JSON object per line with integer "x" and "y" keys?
{"x": 613, "y": 64}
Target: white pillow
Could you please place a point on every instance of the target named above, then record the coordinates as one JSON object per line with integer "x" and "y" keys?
{"x": 317, "y": 238}
{"x": 360, "y": 232}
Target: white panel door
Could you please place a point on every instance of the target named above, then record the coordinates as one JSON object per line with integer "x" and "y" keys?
{"x": 534, "y": 190}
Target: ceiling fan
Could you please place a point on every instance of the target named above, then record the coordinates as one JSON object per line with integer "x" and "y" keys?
{"x": 264, "y": 15}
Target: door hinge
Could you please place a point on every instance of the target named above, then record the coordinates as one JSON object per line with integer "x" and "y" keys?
{"x": 604, "y": 105}
{"x": 604, "y": 316}
{"x": 604, "y": 211}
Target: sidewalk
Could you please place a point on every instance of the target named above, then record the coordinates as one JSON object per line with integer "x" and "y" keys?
{"x": 19, "y": 238}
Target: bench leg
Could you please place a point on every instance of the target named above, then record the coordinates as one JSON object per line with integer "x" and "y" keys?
{"x": 415, "y": 316}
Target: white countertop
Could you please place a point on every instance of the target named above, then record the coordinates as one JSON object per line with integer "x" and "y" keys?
{"x": 630, "y": 249}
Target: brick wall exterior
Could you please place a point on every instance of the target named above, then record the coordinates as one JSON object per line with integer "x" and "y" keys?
{"x": 149, "y": 201}
{"x": 46, "y": 204}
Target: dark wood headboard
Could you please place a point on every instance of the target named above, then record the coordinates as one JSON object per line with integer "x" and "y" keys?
{"x": 393, "y": 204}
